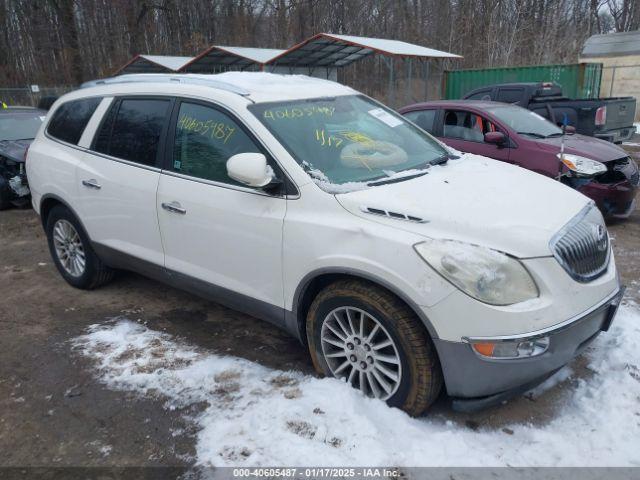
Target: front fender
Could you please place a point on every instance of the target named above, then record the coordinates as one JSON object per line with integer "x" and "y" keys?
{"x": 296, "y": 320}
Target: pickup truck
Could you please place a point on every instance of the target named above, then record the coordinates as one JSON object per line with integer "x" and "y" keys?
{"x": 610, "y": 119}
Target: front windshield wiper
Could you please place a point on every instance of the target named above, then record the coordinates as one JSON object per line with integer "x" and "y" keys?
{"x": 552, "y": 135}
{"x": 533, "y": 134}
{"x": 396, "y": 179}
{"x": 441, "y": 160}
{"x": 444, "y": 159}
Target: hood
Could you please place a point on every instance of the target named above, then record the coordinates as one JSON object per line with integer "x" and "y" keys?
{"x": 14, "y": 149}
{"x": 589, "y": 147}
{"x": 475, "y": 200}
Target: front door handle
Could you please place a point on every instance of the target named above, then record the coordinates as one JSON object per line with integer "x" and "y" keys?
{"x": 174, "y": 207}
{"x": 92, "y": 183}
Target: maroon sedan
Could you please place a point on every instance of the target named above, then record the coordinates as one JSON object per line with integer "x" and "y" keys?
{"x": 598, "y": 169}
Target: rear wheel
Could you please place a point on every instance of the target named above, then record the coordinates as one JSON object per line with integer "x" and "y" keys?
{"x": 368, "y": 337}
{"x": 72, "y": 252}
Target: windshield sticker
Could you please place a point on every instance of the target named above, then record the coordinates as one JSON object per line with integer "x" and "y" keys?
{"x": 298, "y": 112}
{"x": 42, "y": 118}
{"x": 385, "y": 117}
{"x": 210, "y": 128}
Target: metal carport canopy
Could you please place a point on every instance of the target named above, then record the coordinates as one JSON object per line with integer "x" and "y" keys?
{"x": 223, "y": 57}
{"x": 332, "y": 50}
{"x": 153, "y": 64}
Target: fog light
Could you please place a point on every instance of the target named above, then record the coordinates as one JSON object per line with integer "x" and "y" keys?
{"x": 512, "y": 349}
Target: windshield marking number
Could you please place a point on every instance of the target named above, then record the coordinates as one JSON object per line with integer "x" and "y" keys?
{"x": 297, "y": 112}
{"x": 216, "y": 130}
{"x": 327, "y": 140}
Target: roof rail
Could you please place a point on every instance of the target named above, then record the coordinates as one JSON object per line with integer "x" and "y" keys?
{"x": 168, "y": 77}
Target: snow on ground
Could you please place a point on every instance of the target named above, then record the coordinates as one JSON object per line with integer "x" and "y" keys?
{"x": 255, "y": 416}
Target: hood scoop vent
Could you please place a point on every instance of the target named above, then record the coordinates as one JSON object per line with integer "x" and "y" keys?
{"x": 396, "y": 215}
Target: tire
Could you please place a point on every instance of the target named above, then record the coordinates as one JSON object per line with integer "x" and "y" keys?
{"x": 94, "y": 272}
{"x": 5, "y": 194}
{"x": 22, "y": 202}
{"x": 415, "y": 379}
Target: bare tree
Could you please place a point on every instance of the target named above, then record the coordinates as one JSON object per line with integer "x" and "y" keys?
{"x": 68, "y": 41}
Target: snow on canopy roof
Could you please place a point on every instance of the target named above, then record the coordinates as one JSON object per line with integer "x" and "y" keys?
{"x": 612, "y": 45}
{"x": 218, "y": 56}
{"x": 153, "y": 64}
{"x": 332, "y": 50}
{"x": 261, "y": 55}
{"x": 172, "y": 63}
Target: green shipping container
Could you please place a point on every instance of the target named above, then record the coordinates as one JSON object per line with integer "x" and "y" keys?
{"x": 578, "y": 80}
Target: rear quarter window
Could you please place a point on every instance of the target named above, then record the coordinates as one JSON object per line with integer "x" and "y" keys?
{"x": 70, "y": 119}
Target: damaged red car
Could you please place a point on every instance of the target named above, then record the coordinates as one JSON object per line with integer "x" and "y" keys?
{"x": 598, "y": 169}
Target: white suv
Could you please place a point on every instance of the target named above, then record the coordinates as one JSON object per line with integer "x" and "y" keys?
{"x": 402, "y": 264}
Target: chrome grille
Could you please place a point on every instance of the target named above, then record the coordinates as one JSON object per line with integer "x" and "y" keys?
{"x": 582, "y": 246}
{"x": 627, "y": 167}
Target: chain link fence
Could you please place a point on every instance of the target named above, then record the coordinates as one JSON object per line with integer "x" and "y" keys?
{"x": 26, "y": 96}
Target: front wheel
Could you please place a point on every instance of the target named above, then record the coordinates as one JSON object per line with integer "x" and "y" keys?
{"x": 368, "y": 337}
{"x": 5, "y": 194}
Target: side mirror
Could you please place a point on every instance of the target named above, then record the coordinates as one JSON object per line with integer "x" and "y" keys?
{"x": 569, "y": 129}
{"x": 496, "y": 138}
{"x": 250, "y": 169}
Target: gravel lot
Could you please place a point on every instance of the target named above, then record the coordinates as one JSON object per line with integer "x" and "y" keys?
{"x": 54, "y": 412}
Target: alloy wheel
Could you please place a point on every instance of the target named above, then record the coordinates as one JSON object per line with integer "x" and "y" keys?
{"x": 358, "y": 349}
{"x": 69, "y": 248}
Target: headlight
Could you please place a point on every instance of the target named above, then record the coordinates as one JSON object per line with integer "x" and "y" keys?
{"x": 484, "y": 274}
{"x": 582, "y": 166}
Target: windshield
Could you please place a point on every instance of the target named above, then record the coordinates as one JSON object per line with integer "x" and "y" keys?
{"x": 19, "y": 126}
{"x": 349, "y": 139}
{"x": 525, "y": 122}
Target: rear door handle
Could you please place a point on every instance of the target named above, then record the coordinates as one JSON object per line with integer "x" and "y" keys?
{"x": 92, "y": 183}
{"x": 174, "y": 207}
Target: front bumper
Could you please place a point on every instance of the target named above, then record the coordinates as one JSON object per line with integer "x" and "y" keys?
{"x": 613, "y": 191}
{"x": 614, "y": 200}
{"x": 476, "y": 382}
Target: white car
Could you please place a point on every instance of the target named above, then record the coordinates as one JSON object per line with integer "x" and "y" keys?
{"x": 403, "y": 265}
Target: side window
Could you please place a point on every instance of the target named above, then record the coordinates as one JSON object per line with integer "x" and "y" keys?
{"x": 205, "y": 139}
{"x": 71, "y": 118}
{"x": 481, "y": 95}
{"x": 132, "y": 128}
{"x": 510, "y": 95}
{"x": 423, "y": 118}
{"x": 467, "y": 126}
